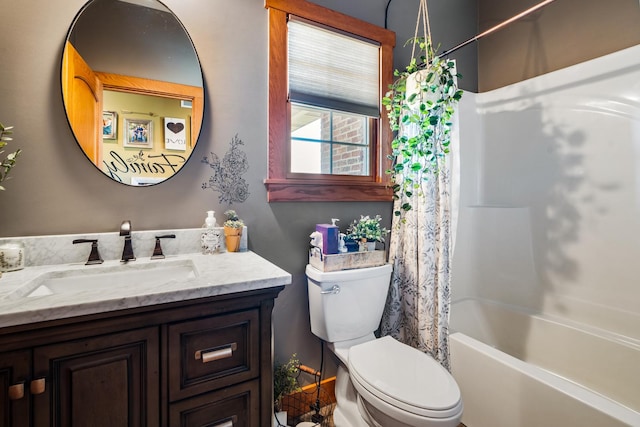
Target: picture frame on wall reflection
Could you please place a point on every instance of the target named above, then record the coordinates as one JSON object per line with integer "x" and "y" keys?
{"x": 138, "y": 133}
{"x": 175, "y": 134}
{"x": 109, "y": 125}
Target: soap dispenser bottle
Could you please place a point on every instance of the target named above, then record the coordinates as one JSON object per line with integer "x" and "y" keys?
{"x": 210, "y": 238}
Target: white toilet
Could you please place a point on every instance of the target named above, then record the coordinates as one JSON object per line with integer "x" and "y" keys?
{"x": 380, "y": 382}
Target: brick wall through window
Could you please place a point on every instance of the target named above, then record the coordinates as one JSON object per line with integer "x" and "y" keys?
{"x": 347, "y": 159}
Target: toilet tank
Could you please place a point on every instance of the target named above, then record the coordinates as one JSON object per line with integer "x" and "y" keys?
{"x": 354, "y": 311}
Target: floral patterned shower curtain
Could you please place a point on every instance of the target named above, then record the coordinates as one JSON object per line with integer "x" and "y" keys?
{"x": 421, "y": 250}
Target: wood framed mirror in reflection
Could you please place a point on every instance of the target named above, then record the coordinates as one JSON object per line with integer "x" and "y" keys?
{"x": 132, "y": 89}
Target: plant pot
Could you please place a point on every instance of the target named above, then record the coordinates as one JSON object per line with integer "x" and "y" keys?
{"x": 232, "y": 238}
{"x": 366, "y": 245}
{"x": 414, "y": 86}
{"x": 351, "y": 246}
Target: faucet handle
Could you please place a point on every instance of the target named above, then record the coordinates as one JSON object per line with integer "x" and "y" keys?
{"x": 94, "y": 256}
{"x": 125, "y": 228}
{"x": 157, "y": 251}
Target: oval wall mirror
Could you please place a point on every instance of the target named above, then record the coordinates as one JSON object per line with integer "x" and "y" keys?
{"x": 133, "y": 90}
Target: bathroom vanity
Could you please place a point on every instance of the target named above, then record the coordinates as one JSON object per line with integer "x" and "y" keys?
{"x": 192, "y": 351}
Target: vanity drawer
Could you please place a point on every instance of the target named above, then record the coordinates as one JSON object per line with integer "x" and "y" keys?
{"x": 237, "y": 406}
{"x": 213, "y": 352}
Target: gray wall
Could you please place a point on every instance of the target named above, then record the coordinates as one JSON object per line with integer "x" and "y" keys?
{"x": 55, "y": 190}
{"x": 452, "y": 22}
{"x": 564, "y": 33}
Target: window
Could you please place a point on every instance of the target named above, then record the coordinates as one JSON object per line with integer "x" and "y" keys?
{"x": 328, "y": 140}
{"x": 325, "y": 141}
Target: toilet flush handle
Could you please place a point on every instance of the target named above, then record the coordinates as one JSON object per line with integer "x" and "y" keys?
{"x": 335, "y": 289}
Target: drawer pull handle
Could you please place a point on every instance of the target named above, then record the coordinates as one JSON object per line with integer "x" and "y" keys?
{"x": 221, "y": 353}
{"x": 16, "y": 391}
{"x": 228, "y": 423}
{"x": 37, "y": 386}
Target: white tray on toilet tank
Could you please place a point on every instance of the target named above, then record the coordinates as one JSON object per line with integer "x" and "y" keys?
{"x": 346, "y": 261}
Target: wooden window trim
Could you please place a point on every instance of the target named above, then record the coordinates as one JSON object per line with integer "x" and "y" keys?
{"x": 280, "y": 184}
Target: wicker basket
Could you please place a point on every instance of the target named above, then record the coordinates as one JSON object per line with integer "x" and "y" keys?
{"x": 312, "y": 403}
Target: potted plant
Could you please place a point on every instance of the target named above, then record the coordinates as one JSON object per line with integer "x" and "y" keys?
{"x": 8, "y": 162}
{"x": 285, "y": 381}
{"x": 232, "y": 230}
{"x": 367, "y": 231}
{"x": 420, "y": 105}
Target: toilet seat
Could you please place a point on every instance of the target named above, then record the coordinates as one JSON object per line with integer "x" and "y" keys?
{"x": 404, "y": 378}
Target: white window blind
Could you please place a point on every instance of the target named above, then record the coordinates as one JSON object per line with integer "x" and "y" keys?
{"x": 333, "y": 70}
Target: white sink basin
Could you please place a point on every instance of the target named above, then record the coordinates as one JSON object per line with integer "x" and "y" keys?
{"x": 92, "y": 278}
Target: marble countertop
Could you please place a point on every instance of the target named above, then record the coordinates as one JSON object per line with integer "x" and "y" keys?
{"x": 218, "y": 274}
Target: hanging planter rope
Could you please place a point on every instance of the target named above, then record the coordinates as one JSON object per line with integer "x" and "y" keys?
{"x": 420, "y": 105}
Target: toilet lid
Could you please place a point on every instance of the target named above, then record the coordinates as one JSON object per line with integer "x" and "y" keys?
{"x": 404, "y": 377}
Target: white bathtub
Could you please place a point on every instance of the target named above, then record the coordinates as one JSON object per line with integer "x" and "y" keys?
{"x": 520, "y": 369}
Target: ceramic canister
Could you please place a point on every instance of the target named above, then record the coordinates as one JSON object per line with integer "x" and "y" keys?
{"x": 11, "y": 257}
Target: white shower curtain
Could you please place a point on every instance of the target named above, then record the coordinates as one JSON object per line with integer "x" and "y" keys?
{"x": 421, "y": 251}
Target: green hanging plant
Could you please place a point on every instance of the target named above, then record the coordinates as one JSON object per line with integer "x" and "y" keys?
{"x": 7, "y": 163}
{"x": 424, "y": 95}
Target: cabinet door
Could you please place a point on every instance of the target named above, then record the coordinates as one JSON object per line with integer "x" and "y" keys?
{"x": 14, "y": 396}
{"x": 109, "y": 380}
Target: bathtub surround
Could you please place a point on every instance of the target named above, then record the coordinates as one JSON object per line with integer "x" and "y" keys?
{"x": 557, "y": 241}
{"x": 597, "y": 379}
{"x": 560, "y": 234}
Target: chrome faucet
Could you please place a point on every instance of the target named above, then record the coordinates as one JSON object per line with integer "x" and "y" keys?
{"x": 127, "y": 252}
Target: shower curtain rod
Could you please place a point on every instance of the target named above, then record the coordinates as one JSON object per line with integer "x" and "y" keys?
{"x": 496, "y": 27}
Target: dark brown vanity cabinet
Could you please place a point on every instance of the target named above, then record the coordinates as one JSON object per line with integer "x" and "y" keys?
{"x": 205, "y": 362}
{"x": 107, "y": 380}
{"x": 14, "y": 373}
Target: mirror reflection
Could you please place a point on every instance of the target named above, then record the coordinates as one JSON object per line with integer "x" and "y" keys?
{"x": 132, "y": 89}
